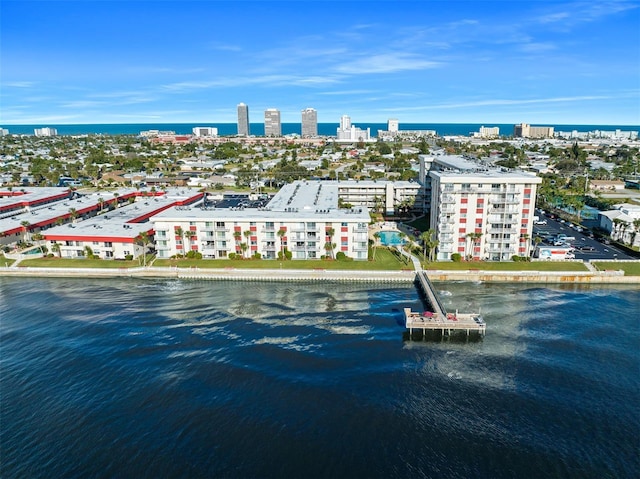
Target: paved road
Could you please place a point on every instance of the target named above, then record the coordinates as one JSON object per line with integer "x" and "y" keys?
{"x": 602, "y": 251}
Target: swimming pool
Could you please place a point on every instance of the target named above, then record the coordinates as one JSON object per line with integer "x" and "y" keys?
{"x": 390, "y": 238}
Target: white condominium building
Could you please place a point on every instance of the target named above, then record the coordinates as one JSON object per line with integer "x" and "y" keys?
{"x": 349, "y": 133}
{"x": 309, "y": 123}
{"x": 484, "y": 215}
{"x": 303, "y": 218}
{"x": 45, "y": 132}
{"x": 243, "y": 120}
{"x": 202, "y": 131}
{"x": 382, "y": 196}
{"x": 272, "y": 126}
{"x": 488, "y": 132}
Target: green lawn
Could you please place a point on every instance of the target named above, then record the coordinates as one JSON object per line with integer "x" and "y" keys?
{"x": 630, "y": 269}
{"x": 4, "y": 261}
{"x": 77, "y": 263}
{"x": 506, "y": 266}
{"x": 385, "y": 260}
{"x": 421, "y": 223}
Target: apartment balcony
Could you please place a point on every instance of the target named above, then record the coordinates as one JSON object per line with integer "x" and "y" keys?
{"x": 447, "y": 209}
{"x": 502, "y": 230}
{"x": 447, "y": 199}
{"x": 497, "y": 249}
{"x": 445, "y": 228}
{"x": 361, "y": 229}
{"x": 207, "y": 228}
{"x": 222, "y": 228}
{"x": 447, "y": 221}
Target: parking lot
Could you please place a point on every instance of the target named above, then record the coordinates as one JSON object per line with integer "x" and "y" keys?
{"x": 586, "y": 247}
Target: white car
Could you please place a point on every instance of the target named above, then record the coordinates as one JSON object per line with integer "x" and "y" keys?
{"x": 540, "y": 222}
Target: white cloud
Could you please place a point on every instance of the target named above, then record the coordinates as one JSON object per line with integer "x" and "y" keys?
{"x": 386, "y": 63}
{"x": 19, "y": 84}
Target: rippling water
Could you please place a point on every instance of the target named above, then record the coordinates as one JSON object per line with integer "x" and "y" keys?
{"x": 140, "y": 378}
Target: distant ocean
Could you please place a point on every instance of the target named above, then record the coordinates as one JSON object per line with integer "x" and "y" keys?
{"x": 324, "y": 129}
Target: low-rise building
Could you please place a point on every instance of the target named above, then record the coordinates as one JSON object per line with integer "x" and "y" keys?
{"x": 303, "y": 218}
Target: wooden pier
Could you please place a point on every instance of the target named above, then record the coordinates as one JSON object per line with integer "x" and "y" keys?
{"x": 439, "y": 319}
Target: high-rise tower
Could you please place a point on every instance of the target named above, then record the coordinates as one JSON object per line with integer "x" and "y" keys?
{"x": 309, "y": 122}
{"x": 243, "y": 120}
{"x": 272, "y": 125}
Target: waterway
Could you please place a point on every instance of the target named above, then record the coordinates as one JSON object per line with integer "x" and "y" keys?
{"x": 175, "y": 378}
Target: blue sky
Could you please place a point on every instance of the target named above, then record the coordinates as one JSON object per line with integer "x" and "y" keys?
{"x": 540, "y": 62}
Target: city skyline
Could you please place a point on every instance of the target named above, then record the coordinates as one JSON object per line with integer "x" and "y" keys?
{"x": 456, "y": 62}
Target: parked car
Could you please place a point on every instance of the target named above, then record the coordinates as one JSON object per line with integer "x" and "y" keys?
{"x": 540, "y": 222}
{"x": 586, "y": 249}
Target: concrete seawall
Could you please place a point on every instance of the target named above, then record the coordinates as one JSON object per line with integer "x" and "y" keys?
{"x": 232, "y": 274}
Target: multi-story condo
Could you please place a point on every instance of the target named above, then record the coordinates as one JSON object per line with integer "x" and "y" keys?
{"x": 488, "y": 132}
{"x": 46, "y": 132}
{"x": 392, "y": 125}
{"x": 349, "y": 133}
{"x": 483, "y": 215}
{"x": 272, "y": 126}
{"x": 383, "y": 196}
{"x": 309, "y": 122}
{"x": 243, "y": 120}
{"x": 202, "y": 131}
{"x": 524, "y": 130}
{"x": 302, "y": 218}
{"x": 4, "y": 132}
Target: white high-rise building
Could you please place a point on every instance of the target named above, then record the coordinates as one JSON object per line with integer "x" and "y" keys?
{"x": 272, "y": 126}
{"x": 392, "y": 125}
{"x": 489, "y": 132}
{"x": 202, "y": 131}
{"x": 45, "y": 132}
{"x": 243, "y": 120}
{"x": 349, "y": 133}
{"x": 309, "y": 122}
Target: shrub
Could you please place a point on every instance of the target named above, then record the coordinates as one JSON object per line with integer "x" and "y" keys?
{"x": 257, "y": 255}
{"x": 128, "y": 257}
{"x": 194, "y": 255}
{"x": 456, "y": 257}
{"x": 341, "y": 256}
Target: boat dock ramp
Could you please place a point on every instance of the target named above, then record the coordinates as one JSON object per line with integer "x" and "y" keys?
{"x": 439, "y": 319}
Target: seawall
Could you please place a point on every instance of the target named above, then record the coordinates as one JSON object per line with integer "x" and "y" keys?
{"x": 232, "y": 274}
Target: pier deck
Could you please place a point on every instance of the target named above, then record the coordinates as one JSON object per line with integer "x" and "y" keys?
{"x": 428, "y": 321}
{"x": 439, "y": 319}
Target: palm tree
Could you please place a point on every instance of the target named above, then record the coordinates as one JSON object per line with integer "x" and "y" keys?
{"x": 180, "y": 232}
{"x": 25, "y": 226}
{"x": 247, "y": 234}
{"x": 474, "y": 237}
{"x": 101, "y": 203}
{"x": 430, "y": 243}
{"x": 526, "y": 237}
{"x": 281, "y": 234}
{"x": 244, "y": 247}
{"x": 73, "y": 213}
{"x": 330, "y": 245}
{"x": 376, "y": 237}
{"x": 55, "y": 247}
{"x": 190, "y": 235}
{"x": 426, "y": 237}
{"x": 144, "y": 240}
